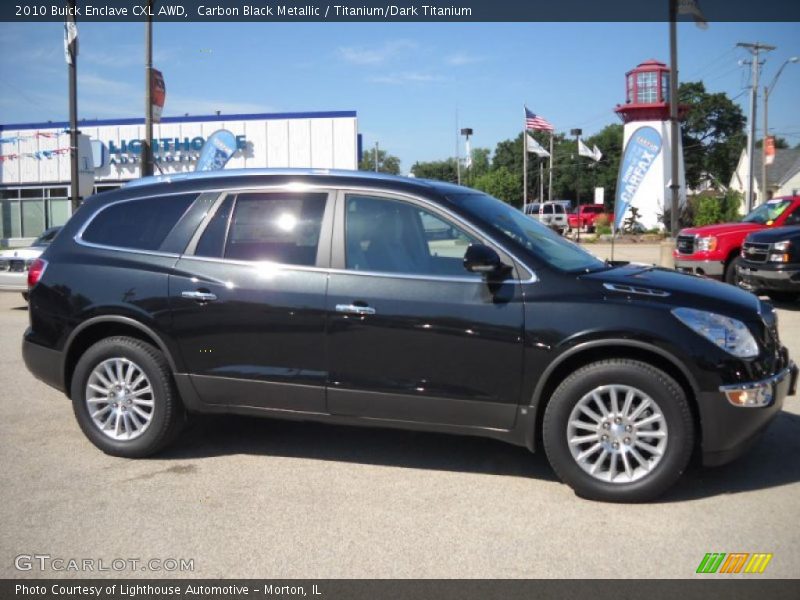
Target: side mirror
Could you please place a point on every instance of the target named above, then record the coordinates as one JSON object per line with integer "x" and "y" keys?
{"x": 482, "y": 259}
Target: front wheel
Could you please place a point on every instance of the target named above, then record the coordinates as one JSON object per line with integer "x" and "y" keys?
{"x": 619, "y": 431}
{"x": 731, "y": 273}
{"x": 124, "y": 398}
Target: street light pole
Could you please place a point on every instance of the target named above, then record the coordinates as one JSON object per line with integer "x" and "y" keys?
{"x": 767, "y": 91}
{"x": 466, "y": 132}
{"x": 577, "y": 133}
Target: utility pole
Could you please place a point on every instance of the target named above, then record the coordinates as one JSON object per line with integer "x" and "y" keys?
{"x": 755, "y": 50}
{"x": 147, "y": 146}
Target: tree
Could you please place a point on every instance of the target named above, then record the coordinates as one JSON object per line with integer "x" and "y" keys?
{"x": 605, "y": 172}
{"x": 501, "y": 183}
{"x": 712, "y": 133}
{"x": 387, "y": 163}
{"x": 481, "y": 163}
{"x": 441, "y": 170}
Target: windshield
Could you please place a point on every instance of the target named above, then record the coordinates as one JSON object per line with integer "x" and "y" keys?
{"x": 528, "y": 232}
{"x": 767, "y": 212}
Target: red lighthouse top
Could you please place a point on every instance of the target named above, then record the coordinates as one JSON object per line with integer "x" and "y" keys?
{"x": 647, "y": 93}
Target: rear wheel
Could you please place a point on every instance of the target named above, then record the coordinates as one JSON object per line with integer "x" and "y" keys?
{"x": 124, "y": 398}
{"x": 618, "y": 430}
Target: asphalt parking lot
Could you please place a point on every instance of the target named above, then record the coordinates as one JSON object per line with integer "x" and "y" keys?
{"x": 261, "y": 498}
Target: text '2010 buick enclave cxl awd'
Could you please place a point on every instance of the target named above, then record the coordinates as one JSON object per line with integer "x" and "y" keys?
{"x": 363, "y": 299}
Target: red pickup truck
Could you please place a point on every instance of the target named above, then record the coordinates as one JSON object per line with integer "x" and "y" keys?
{"x": 585, "y": 215}
{"x": 713, "y": 250}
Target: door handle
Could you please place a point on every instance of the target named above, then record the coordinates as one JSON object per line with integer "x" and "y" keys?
{"x": 199, "y": 296}
{"x": 355, "y": 310}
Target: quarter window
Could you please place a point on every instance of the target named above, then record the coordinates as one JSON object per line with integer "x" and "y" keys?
{"x": 138, "y": 224}
{"x": 276, "y": 227}
{"x": 397, "y": 237}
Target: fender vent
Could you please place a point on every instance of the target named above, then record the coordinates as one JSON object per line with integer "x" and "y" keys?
{"x": 630, "y": 289}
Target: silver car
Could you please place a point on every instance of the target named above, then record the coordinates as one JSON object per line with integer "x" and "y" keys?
{"x": 14, "y": 263}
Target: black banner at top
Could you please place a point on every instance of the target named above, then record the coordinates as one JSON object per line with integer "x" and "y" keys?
{"x": 400, "y": 11}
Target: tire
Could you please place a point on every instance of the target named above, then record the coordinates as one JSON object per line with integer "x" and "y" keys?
{"x": 649, "y": 475}
{"x": 731, "y": 276}
{"x": 25, "y": 296}
{"x": 784, "y": 296}
{"x": 158, "y": 412}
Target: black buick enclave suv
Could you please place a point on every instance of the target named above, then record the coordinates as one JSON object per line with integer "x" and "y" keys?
{"x": 350, "y": 298}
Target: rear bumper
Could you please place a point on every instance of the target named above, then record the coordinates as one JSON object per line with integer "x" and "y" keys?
{"x": 14, "y": 281}
{"x": 770, "y": 277}
{"x": 709, "y": 268}
{"x": 728, "y": 430}
{"x": 44, "y": 363}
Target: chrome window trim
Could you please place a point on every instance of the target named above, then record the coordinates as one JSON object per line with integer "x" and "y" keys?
{"x": 330, "y": 270}
{"x": 302, "y": 186}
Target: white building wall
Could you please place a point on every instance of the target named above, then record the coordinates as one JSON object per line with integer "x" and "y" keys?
{"x": 302, "y": 141}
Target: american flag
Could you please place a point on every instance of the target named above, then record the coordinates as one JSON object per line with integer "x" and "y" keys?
{"x": 534, "y": 121}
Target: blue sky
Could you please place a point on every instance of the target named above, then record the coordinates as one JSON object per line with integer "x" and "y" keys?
{"x": 406, "y": 81}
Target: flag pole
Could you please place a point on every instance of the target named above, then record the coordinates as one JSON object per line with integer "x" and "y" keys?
{"x": 524, "y": 158}
{"x": 550, "y": 174}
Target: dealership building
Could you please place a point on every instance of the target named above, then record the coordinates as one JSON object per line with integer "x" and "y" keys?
{"x": 35, "y": 163}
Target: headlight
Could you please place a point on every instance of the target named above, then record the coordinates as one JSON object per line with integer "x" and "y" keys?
{"x": 707, "y": 244}
{"x": 782, "y": 246}
{"x": 729, "y": 334}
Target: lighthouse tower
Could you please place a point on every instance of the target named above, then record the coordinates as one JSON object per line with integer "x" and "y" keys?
{"x": 644, "y": 173}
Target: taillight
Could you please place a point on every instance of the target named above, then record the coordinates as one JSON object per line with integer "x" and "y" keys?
{"x": 36, "y": 271}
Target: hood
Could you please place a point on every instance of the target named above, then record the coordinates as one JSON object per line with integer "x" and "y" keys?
{"x": 775, "y": 234}
{"x": 722, "y": 229}
{"x": 678, "y": 289}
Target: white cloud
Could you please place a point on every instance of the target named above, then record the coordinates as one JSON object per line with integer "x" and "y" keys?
{"x": 378, "y": 55}
{"x": 407, "y": 77}
{"x": 460, "y": 59}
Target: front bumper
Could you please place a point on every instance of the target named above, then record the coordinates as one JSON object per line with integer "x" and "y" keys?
{"x": 778, "y": 277}
{"x": 728, "y": 429}
{"x": 709, "y": 268}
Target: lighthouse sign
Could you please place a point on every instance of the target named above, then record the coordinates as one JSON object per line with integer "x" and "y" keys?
{"x": 641, "y": 151}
